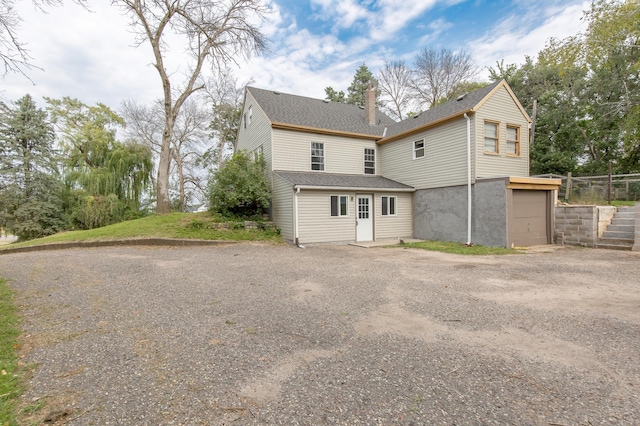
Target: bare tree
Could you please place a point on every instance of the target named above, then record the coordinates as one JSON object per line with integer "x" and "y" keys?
{"x": 215, "y": 32}
{"x": 438, "y": 72}
{"x": 189, "y": 141}
{"x": 394, "y": 81}
{"x": 226, "y": 96}
{"x": 14, "y": 55}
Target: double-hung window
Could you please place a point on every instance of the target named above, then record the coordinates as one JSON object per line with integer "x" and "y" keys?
{"x": 418, "y": 149}
{"x": 369, "y": 161}
{"x": 339, "y": 205}
{"x": 317, "y": 156}
{"x": 491, "y": 141}
{"x": 513, "y": 140}
{"x": 389, "y": 206}
{"x": 250, "y": 115}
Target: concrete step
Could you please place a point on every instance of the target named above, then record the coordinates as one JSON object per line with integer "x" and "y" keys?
{"x": 625, "y": 214}
{"x": 615, "y": 247}
{"x": 616, "y": 235}
{"x": 616, "y": 241}
{"x": 621, "y": 228}
{"x": 622, "y": 221}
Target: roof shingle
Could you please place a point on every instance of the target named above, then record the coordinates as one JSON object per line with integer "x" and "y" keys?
{"x": 317, "y": 113}
{"x": 339, "y": 180}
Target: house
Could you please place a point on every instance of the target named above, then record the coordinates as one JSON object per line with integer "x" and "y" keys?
{"x": 457, "y": 172}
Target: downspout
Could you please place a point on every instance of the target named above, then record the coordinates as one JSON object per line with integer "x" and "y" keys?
{"x": 295, "y": 212}
{"x": 468, "y": 179}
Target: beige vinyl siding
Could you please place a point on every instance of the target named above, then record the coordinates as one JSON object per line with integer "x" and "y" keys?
{"x": 282, "y": 207}
{"x": 444, "y": 163}
{"x": 292, "y": 151}
{"x": 257, "y": 133}
{"x": 316, "y": 225}
{"x": 400, "y": 225}
{"x": 502, "y": 109}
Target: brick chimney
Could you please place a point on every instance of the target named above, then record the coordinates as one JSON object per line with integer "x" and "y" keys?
{"x": 370, "y": 105}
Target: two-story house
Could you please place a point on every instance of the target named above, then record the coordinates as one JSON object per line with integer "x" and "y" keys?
{"x": 457, "y": 172}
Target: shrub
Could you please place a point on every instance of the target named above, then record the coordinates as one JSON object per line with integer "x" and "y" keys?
{"x": 239, "y": 188}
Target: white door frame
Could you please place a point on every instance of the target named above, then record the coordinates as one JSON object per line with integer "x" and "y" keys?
{"x": 364, "y": 217}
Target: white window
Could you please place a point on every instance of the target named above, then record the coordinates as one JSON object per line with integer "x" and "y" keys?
{"x": 491, "y": 140}
{"x": 339, "y": 205}
{"x": 369, "y": 161}
{"x": 250, "y": 115}
{"x": 317, "y": 156}
{"x": 513, "y": 140}
{"x": 388, "y": 206}
{"x": 257, "y": 153}
{"x": 244, "y": 120}
{"x": 418, "y": 149}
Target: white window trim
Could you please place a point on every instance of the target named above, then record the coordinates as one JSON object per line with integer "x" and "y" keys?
{"x": 311, "y": 157}
{"x": 395, "y": 205}
{"x": 364, "y": 161}
{"x": 250, "y": 115}
{"x": 424, "y": 153}
{"x": 340, "y": 197}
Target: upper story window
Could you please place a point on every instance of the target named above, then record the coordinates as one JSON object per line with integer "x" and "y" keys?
{"x": 513, "y": 140}
{"x": 258, "y": 153}
{"x": 244, "y": 120}
{"x": 418, "y": 149}
{"x": 250, "y": 115}
{"x": 317, "y": 156}
{"x": 491, "y": 141}
{"x": 369, "y": 161}
{"x": 339, "y": 205}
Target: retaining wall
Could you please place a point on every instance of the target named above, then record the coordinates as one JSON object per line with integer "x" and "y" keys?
{"x": 576, "y": 225}
{"x": 636, "y": 243}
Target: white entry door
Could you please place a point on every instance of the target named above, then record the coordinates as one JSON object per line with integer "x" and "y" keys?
{"x": 364, "y": 220}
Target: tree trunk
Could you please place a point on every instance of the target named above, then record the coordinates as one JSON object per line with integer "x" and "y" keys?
{"x": 163, "y": 203}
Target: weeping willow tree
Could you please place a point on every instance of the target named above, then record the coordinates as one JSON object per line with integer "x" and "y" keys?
{"x": 105, "y": 179}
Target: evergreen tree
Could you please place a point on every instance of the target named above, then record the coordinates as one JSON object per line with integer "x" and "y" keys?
{"x": 30, "y": 187}
{"x": 356, "y": 92}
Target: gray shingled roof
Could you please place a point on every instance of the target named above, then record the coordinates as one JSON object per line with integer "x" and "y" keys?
{"x": 337, "y": 180}
{"x": 316, "y": 113}
{"x": 439, "y": 112}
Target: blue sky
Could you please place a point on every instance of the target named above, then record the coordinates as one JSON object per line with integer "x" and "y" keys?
{"x": 314, "y": 44}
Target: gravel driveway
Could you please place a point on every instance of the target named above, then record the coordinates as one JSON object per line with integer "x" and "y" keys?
{"x": 256, "y": 334}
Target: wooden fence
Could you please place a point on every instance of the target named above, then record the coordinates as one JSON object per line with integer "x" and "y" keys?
{"x": 598, "y": 188}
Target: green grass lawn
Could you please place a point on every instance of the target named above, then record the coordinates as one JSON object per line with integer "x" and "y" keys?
{"x": 457, "y": 248}
{"x": 9, "y": 381}
{"x": 174, "y": 225}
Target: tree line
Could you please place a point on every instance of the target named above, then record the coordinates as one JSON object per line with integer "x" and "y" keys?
{"x": 585, "y": 88}
{"x": 75, "y": 165}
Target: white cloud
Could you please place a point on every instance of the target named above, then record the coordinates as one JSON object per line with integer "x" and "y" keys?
{"x": 513, "y": 38}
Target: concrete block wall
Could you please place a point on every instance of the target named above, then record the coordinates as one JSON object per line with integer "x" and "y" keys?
{"x": 636, "y": 242}
{"x": 576, "y": 225}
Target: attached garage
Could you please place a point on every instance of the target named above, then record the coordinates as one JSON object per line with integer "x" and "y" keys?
{"x": 531, "y": 204}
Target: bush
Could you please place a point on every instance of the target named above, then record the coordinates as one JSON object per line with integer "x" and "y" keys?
{"x": 239, "y": 188}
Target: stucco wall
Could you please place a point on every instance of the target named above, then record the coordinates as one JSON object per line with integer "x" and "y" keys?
{"x": 441, "y": 214}
{"x": 605, "y": 214}
{"x": 490, "y": 213}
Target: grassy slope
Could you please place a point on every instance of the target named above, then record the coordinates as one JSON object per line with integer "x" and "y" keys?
{"x": 174, "y": 225}
{"x": 9, "y": 382}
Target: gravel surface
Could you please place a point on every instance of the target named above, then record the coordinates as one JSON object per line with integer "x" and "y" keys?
{"x": 257, "y": 334}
